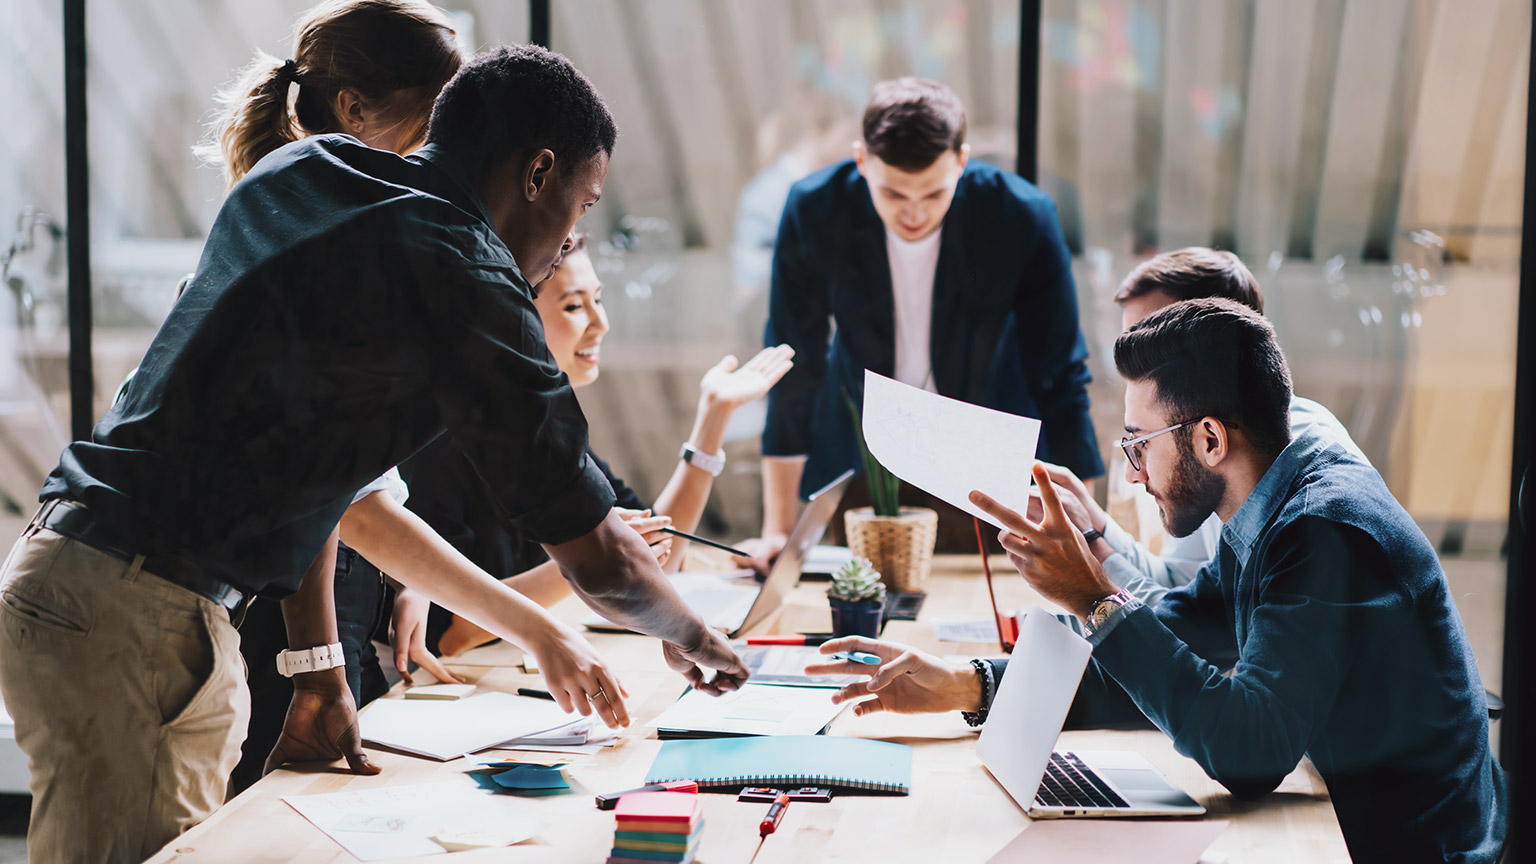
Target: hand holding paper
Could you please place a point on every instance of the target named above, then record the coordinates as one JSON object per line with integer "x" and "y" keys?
{"x": 1052, "y": 555}
{"x": 947, "y": 447}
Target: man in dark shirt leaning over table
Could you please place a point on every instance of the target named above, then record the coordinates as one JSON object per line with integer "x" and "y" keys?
{"x": 349, "y": 305}
{"x": 1325, "y": 601}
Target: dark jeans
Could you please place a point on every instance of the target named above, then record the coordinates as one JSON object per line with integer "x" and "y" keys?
{"x": 359, "y": 609}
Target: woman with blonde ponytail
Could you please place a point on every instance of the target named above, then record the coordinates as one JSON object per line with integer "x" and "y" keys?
{"x": 370, "y": 69}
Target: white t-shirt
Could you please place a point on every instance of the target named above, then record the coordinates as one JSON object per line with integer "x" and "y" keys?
{"x": 913, "y": 265}
{"x": 390, "y": 481}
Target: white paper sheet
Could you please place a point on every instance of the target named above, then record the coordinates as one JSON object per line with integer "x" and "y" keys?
{"x": 400, "y": 821}
{"x": 448, "y": 729}
{"x": 965, "y": 629}
{"x": 947, "y": 447}
{"x": 826, "y": 559}
{"x": 785, "y": 665}
{"x": 755, "y": 709}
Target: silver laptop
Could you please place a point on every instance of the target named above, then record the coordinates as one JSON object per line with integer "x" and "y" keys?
{"x": 736, "y": 605}
{"x": 1019, "y": 737}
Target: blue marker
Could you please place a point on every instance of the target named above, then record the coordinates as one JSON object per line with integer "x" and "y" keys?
{"x": 858, "y": 657}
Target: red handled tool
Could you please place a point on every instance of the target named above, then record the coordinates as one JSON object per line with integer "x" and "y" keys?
{"x": 770, "y": 822}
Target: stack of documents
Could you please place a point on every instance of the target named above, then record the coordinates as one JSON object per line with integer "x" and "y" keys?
{"x": 444, "y": 730}
{"x": 584, "y": 735}
{"x": 755, "y": 709}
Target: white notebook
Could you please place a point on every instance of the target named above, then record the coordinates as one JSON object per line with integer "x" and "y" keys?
{"x": 441, "y": 729}
{"x": 755, "y": 709}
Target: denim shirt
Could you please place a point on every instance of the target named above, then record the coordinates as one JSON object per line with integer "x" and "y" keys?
{"x": 1330, "y": 609}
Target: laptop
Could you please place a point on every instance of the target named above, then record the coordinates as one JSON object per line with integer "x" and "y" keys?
{"x": 1017, "y": 743}
{"x": 735, "y": 605}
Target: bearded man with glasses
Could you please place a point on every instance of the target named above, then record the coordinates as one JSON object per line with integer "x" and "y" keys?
{"x": 1324, "y": 628}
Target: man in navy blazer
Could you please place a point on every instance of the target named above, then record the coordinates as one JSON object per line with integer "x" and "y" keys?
{"x": 940, "y": 272}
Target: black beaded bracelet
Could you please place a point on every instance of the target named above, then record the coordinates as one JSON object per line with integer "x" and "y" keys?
{"x": 988, "y": 688}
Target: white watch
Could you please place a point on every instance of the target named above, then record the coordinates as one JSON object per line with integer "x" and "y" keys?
{"x": 318, "y": 659}
{"x": 714, "y": 463}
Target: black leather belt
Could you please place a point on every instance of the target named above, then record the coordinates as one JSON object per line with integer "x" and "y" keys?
{"x": 76, "y": 522}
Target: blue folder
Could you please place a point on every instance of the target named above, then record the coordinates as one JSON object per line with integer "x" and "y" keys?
{"x": 787, "y": 760}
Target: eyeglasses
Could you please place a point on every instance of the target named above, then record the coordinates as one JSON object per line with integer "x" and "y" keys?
{"x": 1132, "y": 446}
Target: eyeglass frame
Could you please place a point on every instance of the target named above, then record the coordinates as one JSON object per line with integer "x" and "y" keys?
{"x": 1127, "y": 443}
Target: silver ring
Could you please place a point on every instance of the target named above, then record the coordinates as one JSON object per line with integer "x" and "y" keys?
{"x": 600, "y": 693}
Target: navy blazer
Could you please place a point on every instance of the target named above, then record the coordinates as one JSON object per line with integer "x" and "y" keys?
{"x": 1004, "y": 332}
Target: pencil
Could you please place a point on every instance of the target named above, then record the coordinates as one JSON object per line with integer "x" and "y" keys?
{"x": 707, "y": 542}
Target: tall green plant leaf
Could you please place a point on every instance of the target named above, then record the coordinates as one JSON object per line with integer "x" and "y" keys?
{"x": 884, "y": 487}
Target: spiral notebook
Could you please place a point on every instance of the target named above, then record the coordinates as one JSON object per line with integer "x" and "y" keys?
{"x": 787, "y": 760}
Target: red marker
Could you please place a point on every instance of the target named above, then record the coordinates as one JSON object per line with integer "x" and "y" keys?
{"x": 770, "y": 822}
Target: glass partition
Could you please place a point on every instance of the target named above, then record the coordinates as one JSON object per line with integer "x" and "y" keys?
{"x": 1366, "y": 159}
{"x": 34, "y": 337}
{"x": 721, "y": 107}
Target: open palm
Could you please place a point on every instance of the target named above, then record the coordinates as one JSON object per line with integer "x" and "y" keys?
{"x": 728, "y": 384}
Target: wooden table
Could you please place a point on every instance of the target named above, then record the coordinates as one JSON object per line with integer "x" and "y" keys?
{"x": 956, "y": 812}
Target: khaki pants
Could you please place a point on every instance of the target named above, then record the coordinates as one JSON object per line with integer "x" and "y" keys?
{"x": 129, "y": 698}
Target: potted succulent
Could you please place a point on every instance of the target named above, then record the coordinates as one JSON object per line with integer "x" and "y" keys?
{"x": 897, "y": 540}
{"x": 857, "y": 597}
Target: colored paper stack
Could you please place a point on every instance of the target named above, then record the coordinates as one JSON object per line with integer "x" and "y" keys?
{"x": 657, "y": 826}
{"x": 528, "y": 779}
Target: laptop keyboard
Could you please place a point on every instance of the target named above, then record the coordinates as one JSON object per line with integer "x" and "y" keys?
{"x": 1070, "y": 783}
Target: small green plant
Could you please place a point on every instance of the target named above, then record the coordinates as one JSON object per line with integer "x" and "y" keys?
{"x": 857, "y": 582}
{"x": 884, "y": 487}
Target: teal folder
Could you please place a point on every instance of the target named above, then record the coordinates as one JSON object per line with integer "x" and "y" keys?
{"x": 787, "y": 760}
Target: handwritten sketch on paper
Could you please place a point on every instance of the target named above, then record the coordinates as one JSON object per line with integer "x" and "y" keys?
{"x": 947, "y": 447}
{"x": 406, "y": 821}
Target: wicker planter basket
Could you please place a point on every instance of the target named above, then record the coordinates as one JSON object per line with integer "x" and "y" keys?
{"x": 900, "y": 547}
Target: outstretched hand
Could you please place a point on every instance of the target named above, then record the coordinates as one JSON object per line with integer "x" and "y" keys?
{"x": 731, "y": 386}
{"x": 1076, "y": 500}
{"x": 1052, "y": 555}
{"x": 907, "y": 681}
{"x": 321, "y": 725}
{"x": 713, "y": 652}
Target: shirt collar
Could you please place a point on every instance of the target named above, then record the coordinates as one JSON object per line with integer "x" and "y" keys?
{"x": 463, "y": 184}
{"x": 1266, "y": 499}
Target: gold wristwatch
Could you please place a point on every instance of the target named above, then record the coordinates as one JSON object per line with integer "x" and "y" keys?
{"x": 1102, "y": 609}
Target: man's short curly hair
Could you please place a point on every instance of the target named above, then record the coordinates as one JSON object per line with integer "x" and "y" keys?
{"x": 519, "y": 98}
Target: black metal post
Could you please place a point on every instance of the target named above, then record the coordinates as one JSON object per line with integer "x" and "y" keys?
{"x": 82, "y": 386}
{"x": 1519, "y": 665}
{"x": 538, "y": 22}
{"x": 1028, "y": 164}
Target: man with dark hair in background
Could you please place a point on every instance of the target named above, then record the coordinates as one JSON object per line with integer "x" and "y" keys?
{"x": 350, "y": 305}
{"x": 1191, "y": 273}
{"x": 939, "y": 271}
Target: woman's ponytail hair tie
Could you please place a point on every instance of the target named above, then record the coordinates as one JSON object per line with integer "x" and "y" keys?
{"x": 289, "y": 72}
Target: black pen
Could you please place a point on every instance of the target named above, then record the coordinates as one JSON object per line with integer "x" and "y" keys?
{"x": 697, "y": 539}
{"x": 537, "y": 694}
